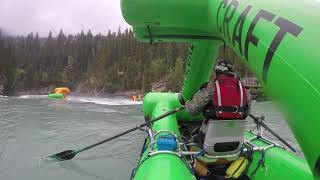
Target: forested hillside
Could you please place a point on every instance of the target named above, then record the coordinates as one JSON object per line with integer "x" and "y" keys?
{"x": 101, "y": 63}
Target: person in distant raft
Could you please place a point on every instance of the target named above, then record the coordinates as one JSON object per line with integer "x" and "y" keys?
{"x": 225, "y": 103}
{"x": 62, "y": 90}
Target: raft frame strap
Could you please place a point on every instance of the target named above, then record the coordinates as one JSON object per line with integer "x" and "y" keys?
{"x": 223, "y": 156}
{"x": 195, "y": 37}
{"x": 179, "y": 36}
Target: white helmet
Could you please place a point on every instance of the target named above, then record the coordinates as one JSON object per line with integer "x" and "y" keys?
{"x": 224, "y": 67}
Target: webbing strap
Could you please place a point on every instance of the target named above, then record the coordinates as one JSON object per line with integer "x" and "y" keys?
{"x": 241, "y": 96}
{"x": 233, "y": 109}
{"x": 218, "y": 94}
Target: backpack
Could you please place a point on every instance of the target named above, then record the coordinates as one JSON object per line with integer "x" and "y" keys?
{"x": 229, "y": 98}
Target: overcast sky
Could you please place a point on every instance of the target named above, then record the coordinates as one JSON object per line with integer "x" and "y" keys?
{"x": 19, "y": 17}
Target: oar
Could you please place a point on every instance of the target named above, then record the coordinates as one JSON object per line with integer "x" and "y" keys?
{"x": 69, "y": 154}
{"x": 257, "y": 120}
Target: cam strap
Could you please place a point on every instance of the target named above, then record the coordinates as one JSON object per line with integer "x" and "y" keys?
{"x": 234, "y": 109}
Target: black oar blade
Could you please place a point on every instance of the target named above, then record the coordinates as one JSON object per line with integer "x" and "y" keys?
{"x": 64, "y": 155}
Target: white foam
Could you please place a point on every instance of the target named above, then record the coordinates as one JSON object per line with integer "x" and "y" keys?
{"x": 33, "y": 97}
{"x": 114, "y": 101}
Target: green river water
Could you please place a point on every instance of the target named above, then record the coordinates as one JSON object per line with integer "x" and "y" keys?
{"x": 33, "y": 127}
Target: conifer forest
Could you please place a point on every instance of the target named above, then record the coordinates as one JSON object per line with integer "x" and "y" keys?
{"x": 114, "y": 62}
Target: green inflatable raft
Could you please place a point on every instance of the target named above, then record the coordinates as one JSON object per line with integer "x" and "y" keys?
{"x": 56, "y": 96}
{"x": 278, "y": 40}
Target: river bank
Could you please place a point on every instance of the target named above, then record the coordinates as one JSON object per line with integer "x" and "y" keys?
{"x": 46, "y": 91}
{"x": 83, "y": 91}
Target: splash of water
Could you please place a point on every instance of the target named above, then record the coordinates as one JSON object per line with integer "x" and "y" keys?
{"x": 112, "y": 101}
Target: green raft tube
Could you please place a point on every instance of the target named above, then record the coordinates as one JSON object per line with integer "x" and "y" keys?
{"x": 56, "y": 96}
{"x": 269, "y": 159}
{"x": 278, "y": 40}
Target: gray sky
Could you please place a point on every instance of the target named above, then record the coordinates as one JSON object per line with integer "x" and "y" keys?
{"x": 20, "y": 17}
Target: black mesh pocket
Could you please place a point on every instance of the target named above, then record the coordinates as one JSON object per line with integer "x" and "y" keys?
{"x": 226, "y": 146}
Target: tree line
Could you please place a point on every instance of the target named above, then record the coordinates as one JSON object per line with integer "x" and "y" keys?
{"x": 93, "y": 63}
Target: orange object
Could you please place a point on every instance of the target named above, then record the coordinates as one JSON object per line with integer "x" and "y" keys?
{"x": 63, "y": 90}
{"x": 134, "y": 98}
{"x": 201, "y": 169}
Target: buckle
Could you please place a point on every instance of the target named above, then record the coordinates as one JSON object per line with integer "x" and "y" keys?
{"x": 237, "y": 109}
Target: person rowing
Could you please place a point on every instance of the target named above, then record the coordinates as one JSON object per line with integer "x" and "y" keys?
{"x": 225, "y": 104}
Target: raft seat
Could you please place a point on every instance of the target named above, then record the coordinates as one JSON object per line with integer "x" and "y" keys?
{"x": 224, "y": 139}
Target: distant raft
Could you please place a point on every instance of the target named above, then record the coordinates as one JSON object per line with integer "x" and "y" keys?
{"x": 136, "y": 98}
{"x": 59, "y": 93}
{"x": 55, "y": 96}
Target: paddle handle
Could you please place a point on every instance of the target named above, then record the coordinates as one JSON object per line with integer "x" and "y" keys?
{"x": 132, "y": 129}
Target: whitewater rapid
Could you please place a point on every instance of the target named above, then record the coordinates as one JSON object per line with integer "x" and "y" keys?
{"x": 112, "y": 101}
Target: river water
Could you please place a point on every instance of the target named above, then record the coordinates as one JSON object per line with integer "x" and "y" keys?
{"x": 33, "y": 127}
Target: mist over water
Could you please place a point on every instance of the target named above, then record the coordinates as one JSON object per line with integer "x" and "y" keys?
{"x": 33, "y": 127}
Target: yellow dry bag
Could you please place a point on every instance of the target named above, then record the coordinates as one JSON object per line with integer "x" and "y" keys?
{"x": 237, "y": 167}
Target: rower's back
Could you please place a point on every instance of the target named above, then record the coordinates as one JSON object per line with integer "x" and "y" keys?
{"x": 226, "y": 114}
